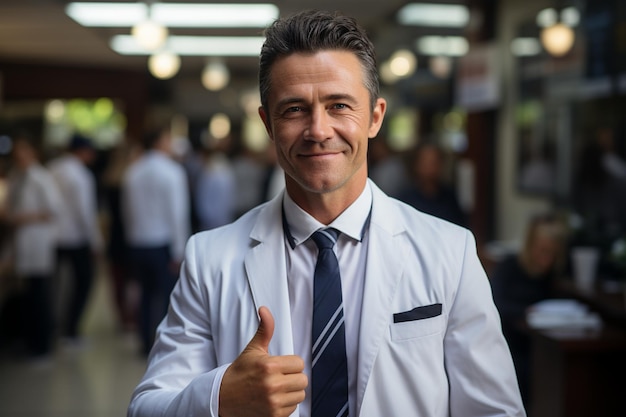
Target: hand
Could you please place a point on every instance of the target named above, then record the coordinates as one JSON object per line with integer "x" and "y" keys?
{"x": 257, "y": 384}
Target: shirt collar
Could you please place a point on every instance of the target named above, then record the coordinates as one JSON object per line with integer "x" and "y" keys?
{"x": 300, "y": 225}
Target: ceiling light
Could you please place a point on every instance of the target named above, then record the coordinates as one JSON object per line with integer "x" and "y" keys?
{"x": 219, "y": 126}
{"x": 547, "y": 17}
{"x": 525, "y": 47}
{"x": 173, "y": 14}
{"x": 386, "y": 74}
{"x": 442, "y": 45}
{"x": 149, "y": 34}
{"x": 195, "y": 45}
{"x": 164, "y": 65}
{"x": 557, "y": 39}
{"x": 427, "y": 14}
{"x": 570, "y": 16}
{"x": 215, "y": 15}
{"x": 107, "y": 14}
{"x": 557, "y": 35}
{"x": 440, "y": 66}
{"x": 215, "y": 76}
{"x": 402, "y": 63}
{"x": 250, "y": 102}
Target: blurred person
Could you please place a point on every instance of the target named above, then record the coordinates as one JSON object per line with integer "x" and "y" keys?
{"x": 525, "y": 278}
{"x": 427, "y": 190}
{"x": 80, "y": 240}
{"x": 249, "y": 176}
{"x": 386, "y": 168}
{"x": 155, "y": 199}
{"x": 407, "y": 326}
{"x": 216, "y": 188}
{"x": 193, "y": 163}
{"x": 274, "y": 181}
{"x": 31, "y": 211}
{"x": 117, "y": 250}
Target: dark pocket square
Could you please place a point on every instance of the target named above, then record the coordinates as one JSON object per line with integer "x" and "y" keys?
{"x": 418, "y": 313}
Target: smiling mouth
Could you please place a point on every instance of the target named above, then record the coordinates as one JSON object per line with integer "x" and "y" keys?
{"x": 316, "y": 155}
{"x": 320, "y": 154}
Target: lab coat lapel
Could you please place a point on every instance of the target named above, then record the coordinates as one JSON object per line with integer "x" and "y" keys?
{"x": 267, "y": 274}
{"x": 383, "y": 271}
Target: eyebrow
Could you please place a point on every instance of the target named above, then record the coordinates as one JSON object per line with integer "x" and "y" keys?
{"x": 330, "y": 97}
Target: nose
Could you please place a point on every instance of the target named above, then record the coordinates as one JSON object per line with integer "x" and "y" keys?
{"x": 319, "y": 128}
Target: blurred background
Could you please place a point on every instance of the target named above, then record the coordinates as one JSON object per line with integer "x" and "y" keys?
{"x": 504, "y": 116}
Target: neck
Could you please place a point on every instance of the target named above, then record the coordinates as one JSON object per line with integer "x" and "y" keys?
{"x": 324, "y": 207}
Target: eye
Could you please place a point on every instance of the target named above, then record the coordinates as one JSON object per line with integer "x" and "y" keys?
{"x": 293, "y": 109}
{"x": 340, "y": 106}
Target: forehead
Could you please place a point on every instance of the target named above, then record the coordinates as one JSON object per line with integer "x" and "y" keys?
{"x": 338, "y": 69}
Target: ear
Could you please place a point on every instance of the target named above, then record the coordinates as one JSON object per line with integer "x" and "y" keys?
{"x": 266, "y": 122}
{"x": 378, "y": 115}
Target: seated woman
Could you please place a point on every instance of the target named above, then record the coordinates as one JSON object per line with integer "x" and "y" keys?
{"x": 522, "y": 280}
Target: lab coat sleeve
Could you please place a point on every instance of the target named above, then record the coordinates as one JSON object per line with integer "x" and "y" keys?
{"x": 183, "y": 377}
{"x": 478, "y": 362}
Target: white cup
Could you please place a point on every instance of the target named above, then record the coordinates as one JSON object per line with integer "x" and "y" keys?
{"x": 585, "y": 264}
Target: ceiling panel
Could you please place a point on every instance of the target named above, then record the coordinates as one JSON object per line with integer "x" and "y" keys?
{"x": 39, "y": 31}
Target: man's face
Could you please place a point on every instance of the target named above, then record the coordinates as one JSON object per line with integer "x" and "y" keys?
{"x": 544, "y": 253}
{"x": 23, "y": 154}
{"x": 429, "y": 165}
{"x": 320, "y": 120}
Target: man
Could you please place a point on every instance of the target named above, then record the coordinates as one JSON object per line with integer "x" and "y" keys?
{"x": 422, "y": 336}
{"x": 155, "y": 200}
{"x": 215, "y": 188}
{"x": 31, "y": 211}
{"x": 79, "y": 231}
{"x": 427, "y": 190}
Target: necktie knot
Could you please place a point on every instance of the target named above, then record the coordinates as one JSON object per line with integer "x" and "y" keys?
{"x": 325, "y": 238}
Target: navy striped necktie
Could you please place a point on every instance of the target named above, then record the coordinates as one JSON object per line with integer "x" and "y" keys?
{"x": 329, "y": 383}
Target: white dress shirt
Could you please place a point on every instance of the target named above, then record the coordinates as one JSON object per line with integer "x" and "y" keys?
{"x": 351, "y": 250}
{"x": 216, "y": 192}
{"x": 78, "y": 222}
{"x": 34, "y": 192}
{"x": 156, "y": 203}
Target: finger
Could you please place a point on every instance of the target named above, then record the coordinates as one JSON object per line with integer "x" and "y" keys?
{"x": 290, "y": 400}
{"x": 295, "y": 383}
{"x": 288, "y": 364}
{"x": 264, "y": 333}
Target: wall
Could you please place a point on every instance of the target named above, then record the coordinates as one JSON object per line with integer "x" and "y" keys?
{"x": 30, "y": 81}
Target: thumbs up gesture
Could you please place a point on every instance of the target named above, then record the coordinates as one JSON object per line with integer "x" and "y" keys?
{"x": 257, "y": 384}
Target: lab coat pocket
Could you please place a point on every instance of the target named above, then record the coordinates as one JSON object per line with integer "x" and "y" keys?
{"x": 417, "y": 328}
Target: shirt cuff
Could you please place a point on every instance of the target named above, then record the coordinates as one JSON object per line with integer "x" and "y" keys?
{"x": 215, "y": 390}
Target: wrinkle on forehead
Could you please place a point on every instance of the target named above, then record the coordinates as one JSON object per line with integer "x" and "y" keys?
{"x": 308, "y": 72}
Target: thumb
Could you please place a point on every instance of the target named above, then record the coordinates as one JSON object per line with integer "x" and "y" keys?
{"x": 264, "y": 333}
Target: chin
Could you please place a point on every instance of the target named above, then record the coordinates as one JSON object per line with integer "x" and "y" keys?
{"x": 320, "y": 186}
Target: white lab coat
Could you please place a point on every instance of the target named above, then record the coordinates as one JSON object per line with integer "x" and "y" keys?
{"x": 453, "y": 364}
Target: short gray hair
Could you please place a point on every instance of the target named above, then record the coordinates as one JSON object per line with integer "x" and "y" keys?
{"x": 313, "y": 31}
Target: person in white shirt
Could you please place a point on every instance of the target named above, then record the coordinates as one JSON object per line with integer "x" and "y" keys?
{"x": 80, "y": 238}
{"x": 32, "y": 206}
{"x": 156, "y": 213}
{"x": 422, "y": 335}
{"x": 215, "y": 191}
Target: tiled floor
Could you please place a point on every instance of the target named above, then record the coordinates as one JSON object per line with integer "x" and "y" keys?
{"x": 93, "y": 381}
